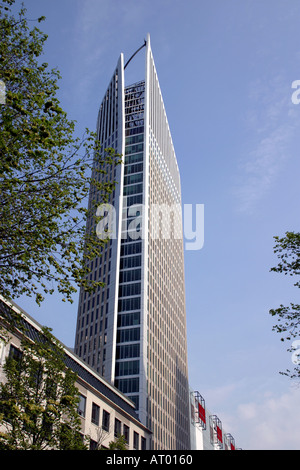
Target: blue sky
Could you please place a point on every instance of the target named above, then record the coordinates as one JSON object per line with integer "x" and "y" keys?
{"x": 225, "y": 68}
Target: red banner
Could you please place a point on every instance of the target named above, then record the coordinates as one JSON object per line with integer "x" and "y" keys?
{"x": 201, "y": 413}
{"x": 219, "y": 434}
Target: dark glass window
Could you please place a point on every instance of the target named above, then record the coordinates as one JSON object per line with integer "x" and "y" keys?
{"x": 136, "y": 157}
{"x": 133, "y": 168}
{"x": 133, "y": 179}
{"x": 129, "y": 319}
{"x": 135, "y": 440}
{"x": 131, "y": 262}
{"x": 130, "y": 334}
{"x": 137, "y": 199}
{"x": 117, "y": 432}
{"x": 81, "y": 405}
{"x": 134, "y": 139}
{"x": 133, "y": 303}
{"x": 128, "y": 350}
{"x": 105, "y": 420}
{"x": 95, "y": 414}
{"x": 126, "y": 433}
{"x": 134, "y": 189}
{"x": 135, "y": 399}
{"x": 129, "y": 289}
{"x": 93, "y": 445}
{"x": 131, "y": 248}
{"x": 127, "y": 368}
{"x": 128, "y": 385}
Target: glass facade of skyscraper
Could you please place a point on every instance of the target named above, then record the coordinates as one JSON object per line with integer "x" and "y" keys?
{"x": 133, "y": 330}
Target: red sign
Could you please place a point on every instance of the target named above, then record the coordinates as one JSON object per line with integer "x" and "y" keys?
{"x": 219, "y": 434}
{"x": 201, "y": 413}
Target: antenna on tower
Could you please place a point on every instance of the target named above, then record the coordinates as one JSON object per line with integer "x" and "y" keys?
{"x": 145, "y": 42}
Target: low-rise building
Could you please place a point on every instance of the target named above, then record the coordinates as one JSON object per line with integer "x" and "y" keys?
{"x": 104, "y": 411}
{"x": 206, "y": 428}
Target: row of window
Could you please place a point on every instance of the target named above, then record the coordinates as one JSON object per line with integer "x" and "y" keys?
{"x": 129, "y": 276}
{"x": 127, "y": 351}
{"x": 127, "y": 368}
{"x": 128, "y": 385}
{"x": 135, "y": 189}
{"x": 128, "y": 335}
{"x": 134, "y": 139}
{"x": 134, "y": 148}
{"x": 129, "y": 319}
{"x": 133, "y": 178}
{"x": 134, "y": 130}
{"x": 134, "y": 158}
{"x": 129, "y": 289}
{"x": 132, "y": 200}
{"x": 131, "y": 262}
{"x": 131, "y": 248}
{"x": 133, "y": 303}
{"x": 134, "y": 168}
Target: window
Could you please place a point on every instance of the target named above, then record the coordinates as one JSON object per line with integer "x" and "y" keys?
{"x": 136, "y": 400}
{"x": 129, "y": 319}
{"x": 126, "y": 433}
{"x": 134, "y": 148}
{"x": 133, "y": 178}
{"x": 134, "y": 168}
{"x": 131, "y": 262}
{"x": 129, "y": 289}
{"x": 81, "y": 405}
{"x": 138, "y": 199}
{"x": 2, "y": 344}
{"x": 128, "y": 276}
{"x": 128, "y": 385}
{"x": 95, "y": 414}
{"x": 135, "y": 189}
{"x": 128, "y": 368}
{"x": 133, "y": 303}
{"x": 131, "y": 334}
{"x": 128, "y": 350}
{"x": 143, "y": 443}
{"x": 93, "y": 445}
{"x": 131, "y": 248}
{"x": 134, "y": 139}
{"x": 15, "y": 353}
{"x": 135, "y": 130}
{"x": 137, "y": 157}
{"x": 105, "y": 420}
{"x": 135, "y": 440}
{"x": 117, "y": 427}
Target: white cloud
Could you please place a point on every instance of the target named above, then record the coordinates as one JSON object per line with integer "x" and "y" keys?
{"x": 272, "y": 423}
{"x": 272, "y": 124}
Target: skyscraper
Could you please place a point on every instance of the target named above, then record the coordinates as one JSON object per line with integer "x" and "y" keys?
{"x": 133, "y": 330}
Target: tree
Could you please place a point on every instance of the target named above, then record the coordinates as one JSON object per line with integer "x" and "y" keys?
{"x": 39, "y": 399}
{"x": 118, "y": 444}
{"x": 288, "y": 317}
{"x": 46, "y": 174}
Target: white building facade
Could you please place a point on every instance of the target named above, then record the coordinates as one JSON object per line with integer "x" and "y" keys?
{"x": 206, "y": 428}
